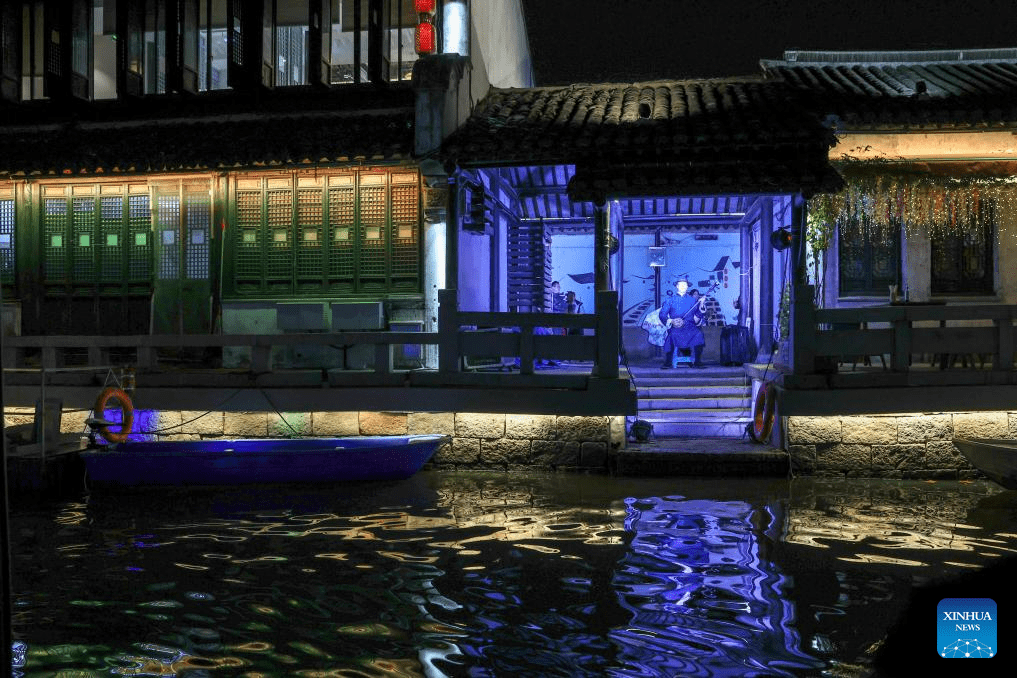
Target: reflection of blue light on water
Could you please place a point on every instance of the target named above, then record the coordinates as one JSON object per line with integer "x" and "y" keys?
{"x": 18, "y": 651}
{"x": 702, "y": 600}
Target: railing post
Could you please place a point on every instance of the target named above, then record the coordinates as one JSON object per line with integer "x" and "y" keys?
{"x": 803, "y": 330}
{"x": 49, "y": 357}
{"x": 1003, "y": 358}
{"x": 900, "y": 361}
{"x": 146, "y": 357}
{"x": 261, "y": 358}
{"x": 608, "y": 329}
{"x": 526, "y": 349}
{"x": 383, "y": 358}
{"x": 448, "y": 331}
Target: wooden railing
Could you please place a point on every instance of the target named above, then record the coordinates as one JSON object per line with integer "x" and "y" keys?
{"x": 902, "y": 332}
{"x": 461, "y": 336}
{"x": 465, "y": 334}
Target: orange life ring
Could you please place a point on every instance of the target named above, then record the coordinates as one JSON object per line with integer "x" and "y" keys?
{"x": 126, "y": 408}
{"x": 763, "y": 410}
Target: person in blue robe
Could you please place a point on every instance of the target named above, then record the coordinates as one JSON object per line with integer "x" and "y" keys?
{"x": 682, "y": 314}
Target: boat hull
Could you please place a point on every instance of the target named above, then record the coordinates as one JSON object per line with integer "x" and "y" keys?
{"x": 243, "y": 462}
{"x": 996, "y": 458}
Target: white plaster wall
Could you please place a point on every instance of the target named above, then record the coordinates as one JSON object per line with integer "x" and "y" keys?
{"x": 756, "y": 278}
{"x": 572, "y": 255}
{"x": 638, "y": 285}
{"x": 499, "y": 48}
{"x": 1006, "y": 257}
{"x": 434, "y": 280}
{"x": 474, "y": 272}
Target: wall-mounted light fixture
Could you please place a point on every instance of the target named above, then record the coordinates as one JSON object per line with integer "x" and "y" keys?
{"x": 781, "y": 239}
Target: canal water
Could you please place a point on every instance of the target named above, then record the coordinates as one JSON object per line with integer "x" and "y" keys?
{"x": 494, "y": 574}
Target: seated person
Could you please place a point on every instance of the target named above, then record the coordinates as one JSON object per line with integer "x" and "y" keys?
{"x": 682, "y": 314}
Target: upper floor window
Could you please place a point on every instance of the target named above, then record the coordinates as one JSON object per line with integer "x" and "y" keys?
{"x": 102, "y": 49}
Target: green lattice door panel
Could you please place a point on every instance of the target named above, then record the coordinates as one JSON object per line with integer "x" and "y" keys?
{"x": 7, "y": 244}
{"x": 355, "y": 232}
{"x": 342, "y": 239}
{"x": 182, "y": 291}
{"x": 96, "y": 257}
{"x": 310, "y": 239}
{"x": 96, "y": 239}
{"x": 405, "y": 232}
{"x": 373, "y": 235}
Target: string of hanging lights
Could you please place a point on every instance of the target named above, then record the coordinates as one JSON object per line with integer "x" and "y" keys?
{"x": 879, "y": 199}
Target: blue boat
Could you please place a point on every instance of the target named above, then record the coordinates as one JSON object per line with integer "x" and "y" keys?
{"x": 249, "y": 461}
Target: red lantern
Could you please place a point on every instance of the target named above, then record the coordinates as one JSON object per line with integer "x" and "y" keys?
{"x": 424, "y": 39}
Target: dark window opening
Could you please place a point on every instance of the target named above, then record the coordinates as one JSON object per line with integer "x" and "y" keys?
{"x": 869, "y": 260}
{"x": 962, "y": 260}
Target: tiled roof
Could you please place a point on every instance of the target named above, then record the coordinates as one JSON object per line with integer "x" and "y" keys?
{"x": 901, "y": 90}
{"x": 667, "y": 137}
{"x": 207, "y": 139}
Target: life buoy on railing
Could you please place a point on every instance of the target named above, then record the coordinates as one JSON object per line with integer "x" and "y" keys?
{"x": 126, "y": 408}
{"x": 763, "y": 410}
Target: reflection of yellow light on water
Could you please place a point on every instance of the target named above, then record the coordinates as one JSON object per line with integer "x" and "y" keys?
{"x": 368, "y": 630}
{"x": 886, "y": 560}
{"x": 265, "y": 609}
{"x": 396, "y": 668}
{"x": 539, "y": 548}
{"x": 407, "y": 558}
{"x": 332, "y": 556}
{"x": 442, "y": 629}
{"x": 311, "y": 650}
{"x": 252, "y": 646}
{"x": 188, "y": 566}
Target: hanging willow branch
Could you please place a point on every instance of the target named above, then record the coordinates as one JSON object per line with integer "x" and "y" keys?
{"x": 881, "y": 196}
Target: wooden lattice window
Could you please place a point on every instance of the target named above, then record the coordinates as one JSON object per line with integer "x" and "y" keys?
{"x": 868, "y": 260}
{"x": 962, "y": 259}
{"x": 353, "y": 232}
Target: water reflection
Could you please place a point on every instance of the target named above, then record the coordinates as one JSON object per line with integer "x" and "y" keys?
{"x": 490, "y": 574}
{"x": 704, "y": 601}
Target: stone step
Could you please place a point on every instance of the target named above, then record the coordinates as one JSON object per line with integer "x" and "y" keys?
{"x": 698, "y": 456}
{"x": 683, "y": 368}
{"x": 699, "y": 428}
{"x": 689, "y": 382}
{"x": 739, "y": 403}
{"x": 673, "y": 391}
{"x": 699, "y": 413}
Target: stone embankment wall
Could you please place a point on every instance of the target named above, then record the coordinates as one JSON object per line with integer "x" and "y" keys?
{"x": 480, "y": 441}
{"x": 891, "y": 446}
